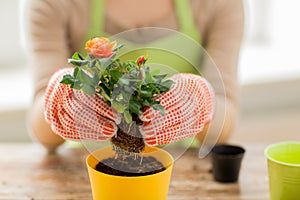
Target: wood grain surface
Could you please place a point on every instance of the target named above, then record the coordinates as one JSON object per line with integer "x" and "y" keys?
{"x": 28, "y": 172}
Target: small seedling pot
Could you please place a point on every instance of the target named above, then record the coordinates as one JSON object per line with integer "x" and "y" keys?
{"x": 226, "y": 161}
{"x": 148, "y": 187}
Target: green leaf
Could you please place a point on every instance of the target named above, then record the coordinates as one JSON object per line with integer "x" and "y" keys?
{"x": 148, "y": 76}
{"x": 147, "y": 92}
{"x": 160, "y": 108}
{"x": 160, "y": 77}
{"x": 135, "y": 107}
{"x": 68, "y": 79}
{"x": 105, "y": 93}
{"x": 166, "y": 85}
{"x": 128, "y": 89}
{"x": 77, "y": 62}
{"x": 77, "y": 56}
{"x": 76, "y": 70}
{"x": 118, "y": 47}
{"x": 118, "y": 106}
{"x": 92, "y": 63}
{"x": 77, "y": 85}
{"x": 126, "y": 95}
{"x": 84, "y": 78}
{"x": 104, "y": 62}
{"x": 127, "y": 117}
{"x": 116, "y": 75}
{"x": 123, "y": 81}
{"x": 118, "y": 96}
{"x": 88, "y": 89}
{"x": 146, "y": 102}
{"x": 96, "y": 79}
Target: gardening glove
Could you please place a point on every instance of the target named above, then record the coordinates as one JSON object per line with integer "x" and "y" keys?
{"x": 189, "y": 105}
{"x": 74, "y": 115}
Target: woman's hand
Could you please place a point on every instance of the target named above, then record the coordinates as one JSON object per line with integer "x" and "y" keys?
{"x": 189, "y": 106}
{"x": 74, "y": 115}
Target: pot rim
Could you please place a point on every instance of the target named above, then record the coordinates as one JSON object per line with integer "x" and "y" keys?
{"x": 92, "y": 155}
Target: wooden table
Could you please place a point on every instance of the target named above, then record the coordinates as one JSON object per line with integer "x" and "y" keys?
{"x": 28, "y": 172}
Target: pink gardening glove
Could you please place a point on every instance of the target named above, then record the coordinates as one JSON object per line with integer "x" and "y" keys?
{"x": 74, "y": 115}
{"x": 189, "y": 105}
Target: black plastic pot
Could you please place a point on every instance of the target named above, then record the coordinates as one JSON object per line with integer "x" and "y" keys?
{"x": 226, "y": 161}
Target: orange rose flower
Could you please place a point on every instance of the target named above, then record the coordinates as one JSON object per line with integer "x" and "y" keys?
{"x": 100, "y": 47}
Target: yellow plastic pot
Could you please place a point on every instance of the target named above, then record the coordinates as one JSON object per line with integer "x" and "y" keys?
{"x": 149, "y": 187}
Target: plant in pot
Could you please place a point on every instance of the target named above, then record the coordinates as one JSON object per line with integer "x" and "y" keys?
{"x": 103, "y": 98}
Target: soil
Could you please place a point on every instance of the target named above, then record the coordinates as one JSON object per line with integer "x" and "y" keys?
{"x": 127, "y": 144}
{"x": 130, "y": 166}
{"x": 128, "y": 138}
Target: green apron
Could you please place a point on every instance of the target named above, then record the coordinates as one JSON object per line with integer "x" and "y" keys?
{"x": 177, "y": 52}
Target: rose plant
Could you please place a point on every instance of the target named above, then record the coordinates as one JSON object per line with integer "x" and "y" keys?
{"x": 129, "y": 87}
{"x": 104, "y": 97}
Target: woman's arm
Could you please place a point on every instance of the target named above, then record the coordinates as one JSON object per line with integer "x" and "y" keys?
{"x": 222, "y": 42}
{"x": 48, "y": 44}
{"x": 41, "y": 130}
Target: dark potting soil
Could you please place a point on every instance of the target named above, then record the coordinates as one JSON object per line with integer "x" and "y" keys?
{"x": 123, "y": 142}
{"x": 130, "y": 166}
{"x": 127, "y": 144}
{"x": 128, "y": 137}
